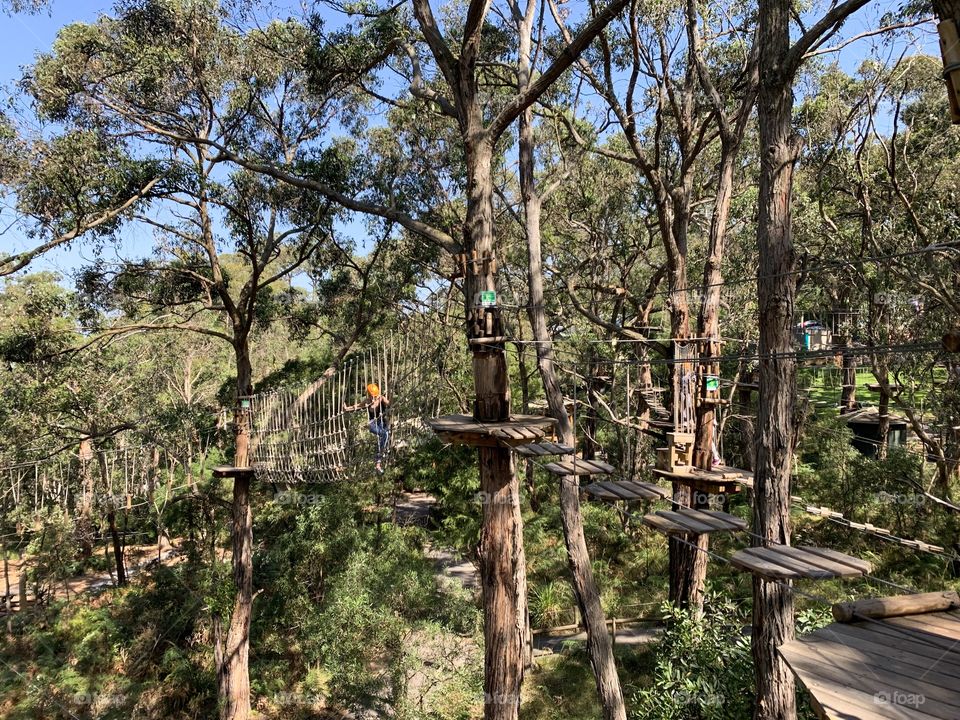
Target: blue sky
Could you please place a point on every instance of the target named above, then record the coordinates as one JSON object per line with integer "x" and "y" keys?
{"x": 22, "y": 36}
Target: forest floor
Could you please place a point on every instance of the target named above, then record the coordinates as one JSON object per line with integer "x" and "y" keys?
{"x": 136, "y": 558}
{"x": 414, "y": 508}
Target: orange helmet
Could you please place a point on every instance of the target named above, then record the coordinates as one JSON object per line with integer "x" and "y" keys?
{"x": 373, "y": 390}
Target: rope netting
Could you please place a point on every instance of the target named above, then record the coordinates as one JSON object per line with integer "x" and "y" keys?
{"x": 308, "y": 435}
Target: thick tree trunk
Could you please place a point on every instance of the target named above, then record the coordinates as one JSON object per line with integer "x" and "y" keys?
{"x": 773, "y": 620}
{"x": 599, "y": 645}
{"x": 233, "y": 675}
{"x": 501, "y": 564}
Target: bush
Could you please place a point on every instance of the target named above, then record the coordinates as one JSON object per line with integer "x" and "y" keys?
{"x": 703, "y": 667}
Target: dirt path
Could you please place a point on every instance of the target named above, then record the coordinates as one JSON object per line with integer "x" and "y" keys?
{"x": 136, "y": 558}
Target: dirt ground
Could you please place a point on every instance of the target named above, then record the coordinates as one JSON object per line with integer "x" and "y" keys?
{"x": 136, "y": 557}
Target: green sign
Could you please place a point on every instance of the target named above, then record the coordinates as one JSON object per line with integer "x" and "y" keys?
{"x": 713, "y": 382}
{"x": 245, "y": 403}
{"x": 488, "y": 298}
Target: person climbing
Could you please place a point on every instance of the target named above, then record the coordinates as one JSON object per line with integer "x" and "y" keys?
{"x": 376, "y": 405}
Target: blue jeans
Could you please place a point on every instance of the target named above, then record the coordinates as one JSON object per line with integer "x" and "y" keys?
{"x": 379, "y": 428}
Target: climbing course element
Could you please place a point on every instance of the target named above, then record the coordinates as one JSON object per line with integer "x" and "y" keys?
{"x": 782, "y": 562}
{"x": 518, "y": 430}
{"x": 721, "y": 480}
{"x": 883, "y": 662}
{"x": 684, "y": 521}
{"x": 579, "y": 466}
{"x": 307, "y": 435}
{"x": 542, "y": 449}
{"x": 627, "y": 490}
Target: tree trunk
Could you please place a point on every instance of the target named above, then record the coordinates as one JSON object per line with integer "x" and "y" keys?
{"x": 121, "y": 579}
{"x": 501, "y": 565}
{"x": 773, "y": 620}
{"x": 848, "y": 395}
{"x": 599, "y": 646}
{"x": 233, "y": 676}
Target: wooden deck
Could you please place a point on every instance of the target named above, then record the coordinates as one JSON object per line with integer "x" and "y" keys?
{"x": 905, "y": 668}
{"x": 720, "y": 480}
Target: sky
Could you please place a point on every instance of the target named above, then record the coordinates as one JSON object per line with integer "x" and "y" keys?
{"x": 23, "y": 36}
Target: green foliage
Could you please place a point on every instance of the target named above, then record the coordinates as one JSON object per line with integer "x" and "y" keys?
{"x": 703, "y": 669}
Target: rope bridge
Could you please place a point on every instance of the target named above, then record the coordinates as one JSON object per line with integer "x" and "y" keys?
{"x": 306, "y": 436}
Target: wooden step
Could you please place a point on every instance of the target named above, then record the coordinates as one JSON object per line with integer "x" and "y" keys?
{"x": 693, "y": 522}
{"x": 781, "y": 562}
{"x": 579, "y": 466}
{"x": 518, "y": 430}
{"x": 627, "y": 490}
{"x": 541, "y": 449}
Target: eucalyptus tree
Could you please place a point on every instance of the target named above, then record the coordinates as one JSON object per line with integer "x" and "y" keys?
{"x": 74, "y": 184}
{"x": 461, "y": 52}
{"x": 180, "y": 83}
{"x": 868, "y": 135}
{"x": 681, "y": 97}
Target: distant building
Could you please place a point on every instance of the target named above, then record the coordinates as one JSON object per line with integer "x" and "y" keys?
{"x": 865, "y": 425}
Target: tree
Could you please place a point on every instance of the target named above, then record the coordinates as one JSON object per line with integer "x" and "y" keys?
{"x": 773, "y": 623}
{"x": 160, "y": 71}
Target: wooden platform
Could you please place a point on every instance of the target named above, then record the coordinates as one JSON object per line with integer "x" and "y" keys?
{"x": 721, "y": 480}
{"x": 907, "y": 668}
{"x": 542, "y": 449}
{"x": 627, "y": 490}
{"x": 693, "y": 522}
{"x": 518, "y": 430}
{"x": 579, "y": 466}
{"x": 226, "y": 471}
{"x": 795, "y": 563}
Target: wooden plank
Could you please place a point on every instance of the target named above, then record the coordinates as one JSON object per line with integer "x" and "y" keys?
{"x": 651, "y": 489}
{"x": 732, "y": 519}
{"x": 662, "y": 525}
{"x": 876, "y": 682}
{"x": 579, "y": 466}
{"x": 882, "y": 633}
{"x": 834, "y": 700}
{"x": 694, "y": 526}
{"x": 948, "y": 630}
{"x": 838, "y": 569}
{"x": 803, "y": 569}
{"x": 598, "y": 490}
{"x": 621, "y": 492}
{"x": 227, "y": 471}
{"x": 862, "y": 565}
{"x": 874, "y": 655}
{"x": 750, "y": 563}
{"x": 727, "y": 521}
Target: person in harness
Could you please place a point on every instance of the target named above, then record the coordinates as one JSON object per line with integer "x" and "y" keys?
{"x": 376, "y": 405}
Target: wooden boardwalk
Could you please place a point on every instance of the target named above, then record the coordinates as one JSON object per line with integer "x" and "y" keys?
{"x": 901, "y": 668}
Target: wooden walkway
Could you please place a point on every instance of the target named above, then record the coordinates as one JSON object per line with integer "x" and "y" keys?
{"x": 904, "y": 668}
